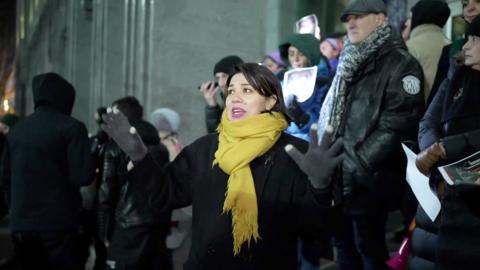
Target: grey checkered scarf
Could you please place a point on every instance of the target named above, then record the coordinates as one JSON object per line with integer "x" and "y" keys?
{"x": 351, "y": 58}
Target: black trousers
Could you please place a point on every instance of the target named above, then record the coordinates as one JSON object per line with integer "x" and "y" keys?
{"x": 89, "y": 236}
{"x": 47, "y": 250}
{"x": 138, "y": 248}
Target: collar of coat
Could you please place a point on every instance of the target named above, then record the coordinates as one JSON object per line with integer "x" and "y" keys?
{"x": 426, "y": 28}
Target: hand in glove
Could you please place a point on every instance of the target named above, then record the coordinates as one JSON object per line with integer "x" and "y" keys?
{"x": 429, "y": 157}
{"x": 119, "y": 129}
{"x": 297, "y": 114}
{"x": 320, "y": 160}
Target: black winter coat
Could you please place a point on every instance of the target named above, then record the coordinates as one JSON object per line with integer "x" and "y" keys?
{"x": 383, "y": 106}
{"x": 288, "y": 206}
{"x": 120, "y": 206}
{"x": 46, "y": 160}
{"x": 212, "y": 117}
{"x": 458, "y": 235}
{"x": 424, "y": 240}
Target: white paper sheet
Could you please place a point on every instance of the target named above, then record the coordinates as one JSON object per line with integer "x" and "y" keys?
{"x": 419, "y": 183}
{"x": 299, "y": 82}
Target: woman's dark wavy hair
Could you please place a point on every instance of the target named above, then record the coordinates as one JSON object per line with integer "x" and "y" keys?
{"x": 265, "y": 82}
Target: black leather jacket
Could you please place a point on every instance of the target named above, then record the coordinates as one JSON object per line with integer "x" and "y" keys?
{"x": 118, "y": 205}
{"x": 383, "y": 108}
{"x": 212, "y": 117}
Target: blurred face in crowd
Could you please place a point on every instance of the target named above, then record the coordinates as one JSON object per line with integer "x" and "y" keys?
{"x": 471, "y": 51}
{"x": 296, "y": 58}
{"x": 359, "y": 27}
{"x": 328, "y": 50}
{"x": 221, "y": 78}
{"x": 244, "y": 101}
{"x": 271, "y": 65}
{"x": 471, "y": 9}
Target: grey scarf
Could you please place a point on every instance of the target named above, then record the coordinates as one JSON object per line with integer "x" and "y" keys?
{"x": 351, "y": 58}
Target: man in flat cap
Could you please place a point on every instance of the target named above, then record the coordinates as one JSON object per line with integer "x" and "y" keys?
{"x": 375, "y": 102}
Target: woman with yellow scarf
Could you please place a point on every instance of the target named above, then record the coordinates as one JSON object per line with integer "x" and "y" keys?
{"x": 250, "y": 199}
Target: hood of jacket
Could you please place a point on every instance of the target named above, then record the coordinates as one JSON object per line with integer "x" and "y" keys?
{"x": 50, "y": 89}
{"x": 430, "y": 12}
{"x": 147, "y": 131}
{"x": 306, "y": 44}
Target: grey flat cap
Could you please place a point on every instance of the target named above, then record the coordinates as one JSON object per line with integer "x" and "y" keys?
{"x": 360, "y": 7}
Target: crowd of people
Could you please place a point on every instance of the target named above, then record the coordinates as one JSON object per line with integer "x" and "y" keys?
{"x": 279, "y": 180}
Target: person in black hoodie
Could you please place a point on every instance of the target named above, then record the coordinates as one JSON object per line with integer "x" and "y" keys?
{"x": 45, "y": 161}
{"x": 134, "y": 236}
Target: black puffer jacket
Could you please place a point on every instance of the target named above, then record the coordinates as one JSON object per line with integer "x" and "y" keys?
{"x": 458, "y": 228}
{"x": 425, "y": 235}
{"x": 119, "y": 206}
{"x": 383, "y": 106}
{"x": 424, "y": 240}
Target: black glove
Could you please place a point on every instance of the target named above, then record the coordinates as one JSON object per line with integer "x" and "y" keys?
{"x": 297, "y": 114}
{"x": 119, "y": 129}
{"x": 320, "y": 160}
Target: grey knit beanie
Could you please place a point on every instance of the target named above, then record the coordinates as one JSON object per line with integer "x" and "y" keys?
{"x": 165, "y": 119}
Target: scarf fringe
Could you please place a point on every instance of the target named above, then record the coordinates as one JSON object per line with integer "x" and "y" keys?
{"x": 239, "y": 143}
{"x": 245, "y": 226}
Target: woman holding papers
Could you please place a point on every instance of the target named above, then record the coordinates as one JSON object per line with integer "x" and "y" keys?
{"x": 450, "y": 131}
{"x": 250, "y": 199}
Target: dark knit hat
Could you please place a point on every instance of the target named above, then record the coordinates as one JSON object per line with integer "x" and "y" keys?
{"x": 474, "y": 28}
{"x": 360, "y": 7}
{"x": 9, "y": 119}
{"x": 307, "y": 44}
{"x": 430, "y": 12}
{"x": 53, "y": 90}
{"x": 227, "y": 64}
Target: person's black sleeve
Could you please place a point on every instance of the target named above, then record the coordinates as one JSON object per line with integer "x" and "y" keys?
{"x": 81, "y": 167}
{"x": 315, "y": 210}
{"x": 108, "y": 192}
{"x": 160, "y": 154}
{"x": 456, "y": 146}
{"x": 430, "y": 127}
{"x": 212, "y": 118}
{"x": 168, "y": 187}
{"x": 5, "y": 181}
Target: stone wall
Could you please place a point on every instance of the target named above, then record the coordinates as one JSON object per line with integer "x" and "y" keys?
{"x": 156, "y": 50}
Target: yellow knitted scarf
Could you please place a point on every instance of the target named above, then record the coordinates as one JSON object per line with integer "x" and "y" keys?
{"x": 240, "y": 142}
